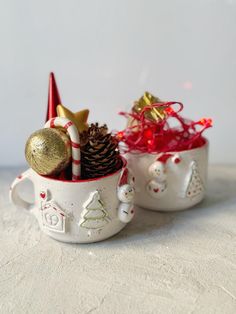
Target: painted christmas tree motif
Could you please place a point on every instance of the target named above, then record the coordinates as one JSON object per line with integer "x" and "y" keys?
{"x": 195, "y": 185}
{"x": 94, "y": 215}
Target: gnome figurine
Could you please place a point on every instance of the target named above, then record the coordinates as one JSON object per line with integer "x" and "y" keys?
{"x": 125, "y": 195}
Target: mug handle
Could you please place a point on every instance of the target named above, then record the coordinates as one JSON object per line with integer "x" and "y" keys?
{"x": 14, "y": 196}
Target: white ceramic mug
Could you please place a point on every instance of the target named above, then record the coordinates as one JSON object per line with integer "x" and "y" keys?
{"x": 177, "y": 184}
{"x": 78, "y": 212}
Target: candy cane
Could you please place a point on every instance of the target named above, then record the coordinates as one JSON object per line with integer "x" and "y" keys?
{"x": 75, "y": 142}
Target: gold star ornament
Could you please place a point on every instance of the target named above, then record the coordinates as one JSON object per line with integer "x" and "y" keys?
{"x": 79, "y": 118}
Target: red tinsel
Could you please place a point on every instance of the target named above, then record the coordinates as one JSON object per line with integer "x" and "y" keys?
{"x": 145, "y": 135}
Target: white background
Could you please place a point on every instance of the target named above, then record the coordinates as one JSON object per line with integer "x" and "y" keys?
{"x": 106, "y": 53}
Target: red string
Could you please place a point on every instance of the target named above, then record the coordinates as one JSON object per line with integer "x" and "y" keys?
{"x": 145, "y": 135}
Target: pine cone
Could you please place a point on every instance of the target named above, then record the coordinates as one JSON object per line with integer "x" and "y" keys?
{"x": 99, "y": 152}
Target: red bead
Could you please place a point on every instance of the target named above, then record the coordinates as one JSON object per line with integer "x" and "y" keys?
{"x": 120, "y": 135}
{"x": 169, "y": 110}
{"x": 148, "y": 134}
{"x": 177, "y": 160}
{"x": 205, "y": 122}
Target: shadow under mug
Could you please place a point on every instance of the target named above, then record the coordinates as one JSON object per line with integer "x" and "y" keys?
{"x": 185, "y": 181}
{"x": 83, "y": 211}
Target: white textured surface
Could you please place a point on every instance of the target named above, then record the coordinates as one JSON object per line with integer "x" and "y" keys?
{"x": 161, "y": 263}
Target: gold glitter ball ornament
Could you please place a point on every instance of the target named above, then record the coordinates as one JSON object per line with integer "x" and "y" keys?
{"x": 48, "y": 151}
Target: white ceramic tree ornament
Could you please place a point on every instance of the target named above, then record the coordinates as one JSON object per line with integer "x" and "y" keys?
{"x": 195, "y": 185}
{"x": 53, "y": 218}
{"x": 94, "y": 216}
{"x": 125, "y": 195}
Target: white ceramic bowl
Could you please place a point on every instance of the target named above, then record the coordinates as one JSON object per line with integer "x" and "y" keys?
{"x": 183, "y": 182}
{"x": 78, "y": 212}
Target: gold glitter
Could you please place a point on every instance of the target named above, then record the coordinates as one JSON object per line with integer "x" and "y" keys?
{"x": 79, "y": 118}
{"x": 153, "y": 114}
{"x": 48, "y": 151}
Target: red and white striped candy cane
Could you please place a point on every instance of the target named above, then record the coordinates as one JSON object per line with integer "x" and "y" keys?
{"x": 75, "y": 142}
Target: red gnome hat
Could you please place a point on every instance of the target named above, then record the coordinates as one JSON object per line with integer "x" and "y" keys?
{"x": 53, "y": 98}
{"x": 124, "y": 177}
{"x": 164, "y": 158}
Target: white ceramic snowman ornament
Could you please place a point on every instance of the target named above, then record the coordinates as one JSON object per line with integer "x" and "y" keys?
{"x": 157, "y": 170}
{"x": 156, "y": 189}
{"x": 157, "y": 186}
{"x": 125, "y": 195}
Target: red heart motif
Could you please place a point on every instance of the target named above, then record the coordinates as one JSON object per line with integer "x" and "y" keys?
{"x": 42, "y": 195}
{"x": 156, "y": 190}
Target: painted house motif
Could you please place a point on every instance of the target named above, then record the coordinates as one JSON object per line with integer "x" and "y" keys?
{"x": 53, "y": 217}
